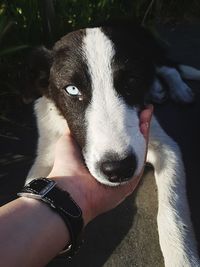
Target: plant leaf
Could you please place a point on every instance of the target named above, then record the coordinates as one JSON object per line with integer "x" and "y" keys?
{"x": 11, "y": 50}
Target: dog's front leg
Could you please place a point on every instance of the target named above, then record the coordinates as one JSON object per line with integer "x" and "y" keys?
{"x": 51, "y": 125}
{"x": 174, "y": 225}
{"x": 44, "y": 159}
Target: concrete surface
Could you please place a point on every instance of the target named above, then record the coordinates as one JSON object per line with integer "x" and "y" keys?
{"x": 127, "y": 236}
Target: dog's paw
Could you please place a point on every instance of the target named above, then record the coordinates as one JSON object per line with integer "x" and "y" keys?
{"x": 157, "y": 93}
{"x": 182, "y": 94}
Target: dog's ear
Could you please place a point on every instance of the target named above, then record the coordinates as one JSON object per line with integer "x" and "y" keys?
{"x": 37, "y": 74}
{"x": 156, "y": 47}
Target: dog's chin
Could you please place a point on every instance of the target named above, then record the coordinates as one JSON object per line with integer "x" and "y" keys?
{"x": 110, "y": 184}
{"x": 106, "y": 182}
{"x": 95, "y": 172}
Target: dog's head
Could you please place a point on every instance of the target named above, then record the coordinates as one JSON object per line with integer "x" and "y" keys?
{"x": 98, "y": 79}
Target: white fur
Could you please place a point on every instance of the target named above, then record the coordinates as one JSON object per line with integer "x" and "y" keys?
{"x": 178, "y": 89}
{"x": 189, "y": 73}
{"x": 51, "y": 125}
{"x": 111, "y": 124}
{"x": 174, "y": 225}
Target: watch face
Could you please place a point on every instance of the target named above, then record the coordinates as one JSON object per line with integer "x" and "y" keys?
{"x": 42, "y": 186}
{"x": 38, "y": 188}
{"x": 46, "y": 190}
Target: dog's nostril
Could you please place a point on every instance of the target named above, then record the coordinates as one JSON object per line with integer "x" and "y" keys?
{"x": 119, "y": 170}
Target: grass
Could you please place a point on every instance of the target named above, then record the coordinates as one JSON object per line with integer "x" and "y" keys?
{"x": 28, "y": 23}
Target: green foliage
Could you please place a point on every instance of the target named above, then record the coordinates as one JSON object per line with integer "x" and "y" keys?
{"x": 28, "y": 23}
{"x": 32, "y": 22}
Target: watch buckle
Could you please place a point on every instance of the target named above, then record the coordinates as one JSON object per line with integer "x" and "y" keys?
{"x": 47, "y": 188}
{"x": 41, "y": 194}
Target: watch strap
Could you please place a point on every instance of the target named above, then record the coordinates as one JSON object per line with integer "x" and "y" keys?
{"x": 60, "y": 201}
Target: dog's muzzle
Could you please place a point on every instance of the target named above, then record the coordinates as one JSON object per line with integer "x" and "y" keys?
{"x": 118, "y": 170}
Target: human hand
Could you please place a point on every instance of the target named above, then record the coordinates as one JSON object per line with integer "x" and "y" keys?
{"x": 72, "y": 176}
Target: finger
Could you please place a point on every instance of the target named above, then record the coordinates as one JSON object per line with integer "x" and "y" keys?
{"x": 68, "y": 150}
{"x": 145, "y": 118}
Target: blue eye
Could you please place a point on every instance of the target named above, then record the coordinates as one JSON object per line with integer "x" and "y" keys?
{"x": 72, "y": 90}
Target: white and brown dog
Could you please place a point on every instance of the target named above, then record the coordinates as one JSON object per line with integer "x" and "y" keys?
{"x": 96, "y": 81}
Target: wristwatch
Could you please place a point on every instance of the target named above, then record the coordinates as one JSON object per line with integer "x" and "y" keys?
{"x": 60, "y": 201}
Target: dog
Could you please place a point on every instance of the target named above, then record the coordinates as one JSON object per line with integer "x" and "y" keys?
{"x": 96, "y": 81}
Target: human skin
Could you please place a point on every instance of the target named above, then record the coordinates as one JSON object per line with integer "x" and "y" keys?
{"x": 31, "y": 234}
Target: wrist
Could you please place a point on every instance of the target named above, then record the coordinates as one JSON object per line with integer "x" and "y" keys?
{"x": 60, "y": 201}
{"x": 46, "y": 216}
{"x": 77, "y": 193}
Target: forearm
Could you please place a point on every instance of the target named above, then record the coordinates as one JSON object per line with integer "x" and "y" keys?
{"x": 31, "y": 233}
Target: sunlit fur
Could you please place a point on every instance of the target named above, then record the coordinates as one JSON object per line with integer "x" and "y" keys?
{"x": 111, "y": 124}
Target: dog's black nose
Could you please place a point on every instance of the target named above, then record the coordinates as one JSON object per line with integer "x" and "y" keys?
{"x": 118, "y": 171}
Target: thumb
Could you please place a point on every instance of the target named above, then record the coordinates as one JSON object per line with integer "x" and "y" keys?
{"x": 68, "y": 157}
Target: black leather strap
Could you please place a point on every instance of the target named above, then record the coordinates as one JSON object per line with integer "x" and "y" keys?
{"x": 61, "y": 202}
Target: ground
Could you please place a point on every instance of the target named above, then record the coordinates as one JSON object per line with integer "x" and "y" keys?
{"x": 127, "y": 236}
